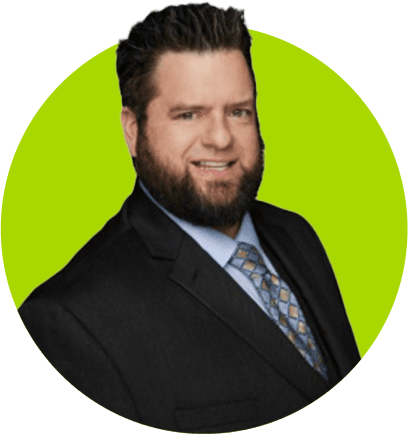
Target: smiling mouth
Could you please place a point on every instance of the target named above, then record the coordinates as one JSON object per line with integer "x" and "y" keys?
{"x": 214, "y": 165}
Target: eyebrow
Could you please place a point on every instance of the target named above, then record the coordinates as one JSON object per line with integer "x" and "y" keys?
{"x": 247, "y": 102}
{"x": 185, "y": 107}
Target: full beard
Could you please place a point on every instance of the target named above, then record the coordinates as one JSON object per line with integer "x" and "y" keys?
{"x": 223, "y": 204}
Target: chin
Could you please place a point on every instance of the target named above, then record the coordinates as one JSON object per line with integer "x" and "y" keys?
{"x": 219, "y": 192}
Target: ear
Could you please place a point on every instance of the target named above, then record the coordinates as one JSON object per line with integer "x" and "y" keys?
{"x": 129, "y": 125}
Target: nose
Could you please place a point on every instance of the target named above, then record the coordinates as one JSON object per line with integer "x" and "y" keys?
{"x": 218, "y": 133}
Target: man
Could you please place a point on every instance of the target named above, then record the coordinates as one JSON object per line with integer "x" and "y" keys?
{"x": 196, "y": 308}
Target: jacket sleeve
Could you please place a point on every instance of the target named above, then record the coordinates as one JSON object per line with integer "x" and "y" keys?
{"x": 77, "y": 355}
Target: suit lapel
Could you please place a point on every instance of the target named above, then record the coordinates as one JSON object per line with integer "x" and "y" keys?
{"x": 310, "y": 318}
{"x": 198, "y": 273}
{"x": 305, "y": 278}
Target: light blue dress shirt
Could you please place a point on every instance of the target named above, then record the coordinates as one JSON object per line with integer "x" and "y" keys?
{"x": 221, "y": 247}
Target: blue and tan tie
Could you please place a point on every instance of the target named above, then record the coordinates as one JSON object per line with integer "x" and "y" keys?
{"x": 280, "y": 303}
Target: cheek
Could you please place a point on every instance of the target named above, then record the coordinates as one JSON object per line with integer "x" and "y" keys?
{"x": 250, "y": 148}
{"x": 162, "y": 143}
{"x": 181, "y": 139}
{"x": 156, "y": 136}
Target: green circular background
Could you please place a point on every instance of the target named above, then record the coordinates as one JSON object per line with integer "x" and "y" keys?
{"x": 326, "y": 158}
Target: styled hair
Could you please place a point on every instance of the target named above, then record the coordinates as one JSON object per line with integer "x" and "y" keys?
{"x": 192, "y": 27}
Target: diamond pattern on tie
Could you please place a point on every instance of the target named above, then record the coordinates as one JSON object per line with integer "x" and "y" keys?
{"x": 281, "y": 304}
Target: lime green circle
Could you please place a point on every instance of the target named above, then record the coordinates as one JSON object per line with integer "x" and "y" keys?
{"x": 326, "y": 158}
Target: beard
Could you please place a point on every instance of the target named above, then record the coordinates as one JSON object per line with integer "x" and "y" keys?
{"x": 223, "y": 204}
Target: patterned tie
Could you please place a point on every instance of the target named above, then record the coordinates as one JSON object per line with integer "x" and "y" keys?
{"x": 281, "y": 304}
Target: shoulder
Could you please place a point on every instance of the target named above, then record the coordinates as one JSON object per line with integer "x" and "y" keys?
{"x": 271, "y": 219}
{"x": 268, "y": 214}
{"x": 96, "y": 267}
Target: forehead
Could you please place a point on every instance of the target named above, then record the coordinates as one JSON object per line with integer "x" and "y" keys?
{"x": 197, "y": 77}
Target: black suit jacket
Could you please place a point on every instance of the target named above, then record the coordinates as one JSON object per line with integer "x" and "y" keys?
{"x": 147, "y": 324}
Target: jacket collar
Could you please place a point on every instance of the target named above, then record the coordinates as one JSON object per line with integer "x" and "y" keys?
{"x": 160, "y": 234}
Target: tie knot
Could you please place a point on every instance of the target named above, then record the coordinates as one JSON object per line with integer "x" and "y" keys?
{"x": 246, "y": 257}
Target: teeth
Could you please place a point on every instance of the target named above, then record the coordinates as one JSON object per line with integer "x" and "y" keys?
{"x": 213, "y": 164}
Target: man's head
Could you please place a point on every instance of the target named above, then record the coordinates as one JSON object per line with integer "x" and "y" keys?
{"x": 189, "y": 113}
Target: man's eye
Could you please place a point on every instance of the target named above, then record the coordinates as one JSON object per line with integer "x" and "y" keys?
{"x": 188, "y": 116}
{"x": 241, "y": 113}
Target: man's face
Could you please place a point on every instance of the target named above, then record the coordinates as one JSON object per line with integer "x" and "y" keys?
{"x": 199, "y": 152}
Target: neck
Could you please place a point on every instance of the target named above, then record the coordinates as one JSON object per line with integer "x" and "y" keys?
{"x": 231, "y": 231}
